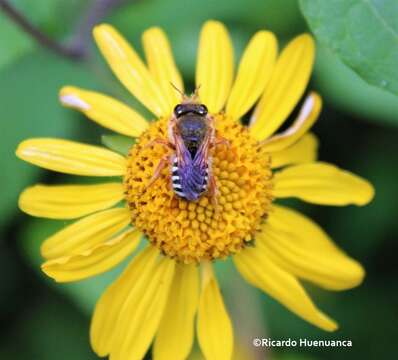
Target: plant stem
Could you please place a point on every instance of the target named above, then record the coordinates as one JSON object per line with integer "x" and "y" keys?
{"x": 78, "y": 49}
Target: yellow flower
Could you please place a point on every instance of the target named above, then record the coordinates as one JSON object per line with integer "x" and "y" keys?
{"x": 274, "y": 248}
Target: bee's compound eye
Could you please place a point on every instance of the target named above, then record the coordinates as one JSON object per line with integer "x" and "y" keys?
{"x": 202, "y": 109}
{"x": 178, "y": 110}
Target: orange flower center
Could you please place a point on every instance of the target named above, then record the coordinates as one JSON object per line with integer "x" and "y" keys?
{"x": 192, "y": 231}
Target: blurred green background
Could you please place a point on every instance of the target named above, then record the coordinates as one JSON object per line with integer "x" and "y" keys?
{"x": 358, "y": 130}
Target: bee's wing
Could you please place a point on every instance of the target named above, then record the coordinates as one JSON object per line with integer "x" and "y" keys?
{"x": 202, "y": 155}
{"x": 182, "y": 153}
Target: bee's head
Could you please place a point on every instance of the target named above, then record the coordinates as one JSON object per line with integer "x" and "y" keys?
{"x": 192, "y": 127}
{"x": 190, "y": 108}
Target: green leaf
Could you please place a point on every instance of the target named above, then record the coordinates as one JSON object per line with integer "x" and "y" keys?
{"x": 363, "y": 34}
{"x": 118, "y": 143}
{"x": 30, "y": 108}
{"x": 344, "y": 89}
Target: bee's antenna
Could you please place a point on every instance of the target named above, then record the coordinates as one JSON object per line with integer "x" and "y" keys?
{"x": 184, "y": 97}
{"x": 195, "y": 95}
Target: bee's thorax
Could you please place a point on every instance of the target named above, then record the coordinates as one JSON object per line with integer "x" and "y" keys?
{"x": 193, "y": 129}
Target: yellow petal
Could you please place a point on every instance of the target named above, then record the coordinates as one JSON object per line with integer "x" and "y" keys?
{"x": 86, "y": 233}
{"x": 98, "y": 259}
{"x": 142, "y": 310}
{"x": 176, "y": 330}
{"x": 104, "y": 110}
{"x": 257, "y": 267}
{"x": 161, "y": 64}
{"x": 69, "y": 201}
{"x": 107, "y": 309}
{"x": 288, "y": 82}
{"x": 130, "y": 70}
{"x": 71, "y": 157}
{"x": 215, "y": 65}
{"x": 322, "y": 183}
{"x": 254, "y": 72}
{"x": 214, "y": 327}
{"x": 308, "y": 115}
{"x": 302, "y": 248}
{"x": 303, "y": 151}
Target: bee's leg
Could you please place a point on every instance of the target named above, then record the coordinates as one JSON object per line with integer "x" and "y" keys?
{"x": 171, "y": 132}
{"x": 162, "y": 142}
{"x": 171, "y": 184}
{"x": 164, "y": 161}
{"x": 215, "y": 139}
{"x": 221, "y": 141}
{"x": 213, "y": 191}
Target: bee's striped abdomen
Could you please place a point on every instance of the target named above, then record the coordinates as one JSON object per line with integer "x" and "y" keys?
{"x": 176, "y": 180}
{"x": 189, "y": 182}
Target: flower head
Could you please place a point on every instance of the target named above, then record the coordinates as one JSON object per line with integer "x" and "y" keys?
{"x": 274, "y": 248}
{"x": 193, "y": 231}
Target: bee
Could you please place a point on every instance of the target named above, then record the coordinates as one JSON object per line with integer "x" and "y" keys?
{"x": 191, "y": 136}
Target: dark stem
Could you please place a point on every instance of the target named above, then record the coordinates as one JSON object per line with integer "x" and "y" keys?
{"x": 95, "y": 13}
{"x": 78, "y": 48}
